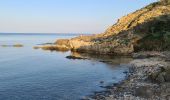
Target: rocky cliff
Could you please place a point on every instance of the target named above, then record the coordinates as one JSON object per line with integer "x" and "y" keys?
{"x": 145, "y": 29}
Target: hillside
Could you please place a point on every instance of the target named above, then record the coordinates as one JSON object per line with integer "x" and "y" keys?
{"x": 146, "y": 29}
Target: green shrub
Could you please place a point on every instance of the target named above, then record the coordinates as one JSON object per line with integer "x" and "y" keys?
{"x": 165, "y": 2}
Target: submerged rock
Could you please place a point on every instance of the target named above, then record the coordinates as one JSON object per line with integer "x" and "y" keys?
{"x": 36, "y": 47}
{"x": 14, "y": 45}
{"x": 101, "y": 82}
{"x": 17, "y": 45}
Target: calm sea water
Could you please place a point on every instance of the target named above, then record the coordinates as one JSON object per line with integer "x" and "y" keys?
{"x": 29, "y": 74}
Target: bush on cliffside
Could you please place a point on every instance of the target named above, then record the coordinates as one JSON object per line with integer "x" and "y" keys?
{"x": 165, "y": 2}
{"x": 158, "y": 36}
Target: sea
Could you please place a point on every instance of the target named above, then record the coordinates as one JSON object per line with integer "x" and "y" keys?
{"x": 34, "y": 74}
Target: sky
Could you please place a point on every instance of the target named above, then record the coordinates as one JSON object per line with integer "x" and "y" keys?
{"x": 64, "y": 16}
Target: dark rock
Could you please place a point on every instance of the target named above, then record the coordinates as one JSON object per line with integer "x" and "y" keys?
{"x": 46, "y": 44}
{"x": 125, "y": 72}
{"x": 153, "y": 76}
{"x": 144, "y": 92}
{"x": 167, "y": 76}
{"x": 107, "y": 87}
{"x": 101, "y": 82}
{"x": 140, "y": 56}
{"x": 161, "y": 78}
{"x": 74, "y": 57}
{"x": 115, "y": 84}
{"x": 105, "y": 61}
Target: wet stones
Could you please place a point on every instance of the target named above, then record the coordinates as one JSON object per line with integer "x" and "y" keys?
{"x": 161, "y": 77}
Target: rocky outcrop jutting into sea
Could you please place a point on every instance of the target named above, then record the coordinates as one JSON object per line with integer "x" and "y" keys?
{"x": 145, "y": 29}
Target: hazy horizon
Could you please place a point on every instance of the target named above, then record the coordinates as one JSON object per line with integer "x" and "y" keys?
{"x": 5, "y": 33}
{"x": 63, "y": 16}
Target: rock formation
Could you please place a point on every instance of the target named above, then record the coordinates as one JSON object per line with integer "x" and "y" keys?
{"x": 145, "y": 29}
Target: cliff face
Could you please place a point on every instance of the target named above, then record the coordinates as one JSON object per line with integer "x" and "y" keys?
{"x": 145, "y": 29}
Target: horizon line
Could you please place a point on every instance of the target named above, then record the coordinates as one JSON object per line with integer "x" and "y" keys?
{"x": 42, "y": 33}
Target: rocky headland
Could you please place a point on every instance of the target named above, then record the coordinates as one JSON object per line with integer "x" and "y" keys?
{"x": 147, "y": 29}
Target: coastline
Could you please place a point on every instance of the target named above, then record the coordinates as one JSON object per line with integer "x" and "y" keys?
{"x": 130, "y": 60}
{"x": 141, "y": 82}
{"x": 146, "y": 29}
{"x": 148, "y": 78}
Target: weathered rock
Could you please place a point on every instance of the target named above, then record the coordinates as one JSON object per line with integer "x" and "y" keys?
{"x": 167, "y": 76}
{"x": 160, "y": 78}
{"x": 153, "y": 76}
{"x": 55, "y": 47}
{"x": 144, "y": 92}
{"x": 63, "y": 42}
{"x": 135, "y": 32}
{"x": 143, "y": 55}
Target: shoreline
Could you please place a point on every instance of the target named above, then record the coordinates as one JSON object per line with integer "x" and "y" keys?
{"x": 141, "y": 83}
{"x": 148, "y": 78}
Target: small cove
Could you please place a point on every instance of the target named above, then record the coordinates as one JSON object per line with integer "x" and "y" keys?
{"x": 29, "y": 74}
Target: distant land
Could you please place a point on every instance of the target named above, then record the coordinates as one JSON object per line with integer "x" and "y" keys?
{"x": 2, "y": 33}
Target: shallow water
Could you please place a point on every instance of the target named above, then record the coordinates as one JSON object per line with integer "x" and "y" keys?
{"x": 29, "y": 74}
